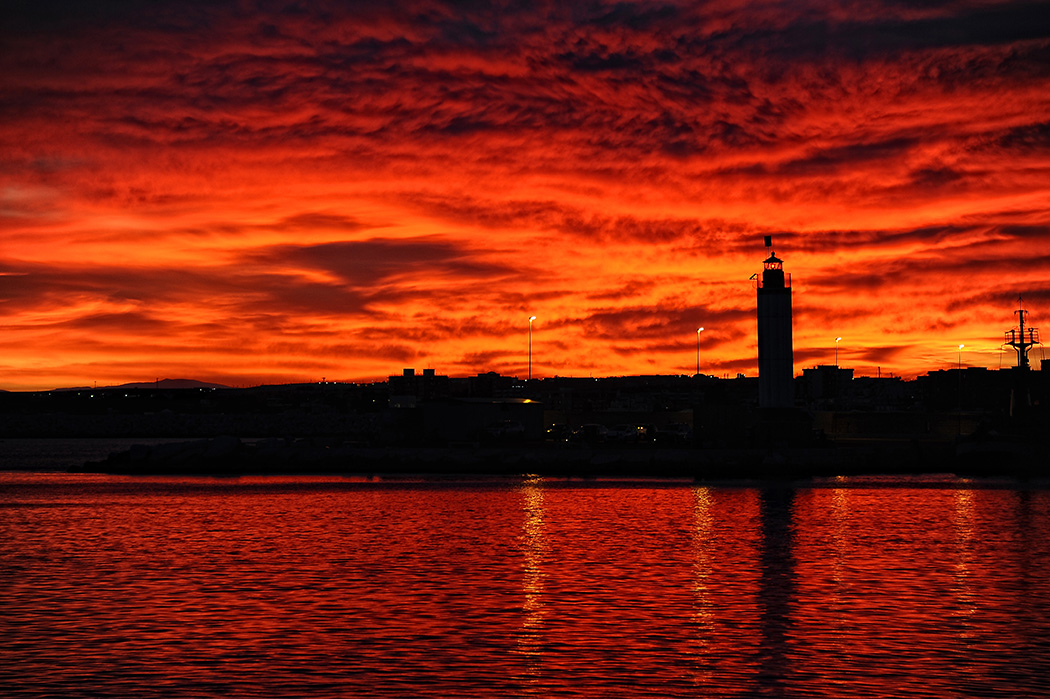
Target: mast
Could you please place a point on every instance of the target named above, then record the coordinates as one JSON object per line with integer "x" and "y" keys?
{"x": 1021, "y": 339}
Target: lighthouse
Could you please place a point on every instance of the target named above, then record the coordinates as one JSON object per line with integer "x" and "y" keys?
{"x": 775, "y": 357}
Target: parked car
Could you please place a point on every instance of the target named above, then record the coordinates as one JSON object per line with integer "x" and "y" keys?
{"x": 675, "y": 433}
{"x": 590, "y": 433}
{"x": 628, "y": 433}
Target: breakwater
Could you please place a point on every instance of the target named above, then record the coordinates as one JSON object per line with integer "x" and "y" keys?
{"x": 231, "y": 456}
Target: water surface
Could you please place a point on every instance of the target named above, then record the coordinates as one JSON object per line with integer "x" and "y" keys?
{"x": 116, "y": 586}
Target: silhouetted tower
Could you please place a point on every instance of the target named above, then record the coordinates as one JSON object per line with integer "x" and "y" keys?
{"x": 1022, "y": 339}
{"x": 776, "y": 365}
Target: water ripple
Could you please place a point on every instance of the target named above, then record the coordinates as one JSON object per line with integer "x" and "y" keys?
{"x": 286, "y": 587}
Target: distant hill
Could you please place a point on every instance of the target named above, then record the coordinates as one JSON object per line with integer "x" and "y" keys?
{"x": 163, "y": 383}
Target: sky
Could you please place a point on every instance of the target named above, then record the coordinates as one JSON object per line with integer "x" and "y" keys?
{"x": 275, "y": 192}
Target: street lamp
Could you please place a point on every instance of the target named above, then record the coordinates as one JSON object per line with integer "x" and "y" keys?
{"x": 960, "y": 389}
{"x": 698, "y": 331}
{"x": 837, "y": 340}
{"x": 531, "y": 318}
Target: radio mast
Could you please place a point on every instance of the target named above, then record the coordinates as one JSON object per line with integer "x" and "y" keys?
{"x": 1020, "y": 338}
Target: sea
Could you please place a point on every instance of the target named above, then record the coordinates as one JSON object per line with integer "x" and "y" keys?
{"x": 297, "y": 586}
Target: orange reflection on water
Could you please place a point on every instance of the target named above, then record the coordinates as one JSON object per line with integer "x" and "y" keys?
{"x": 702, "y": 526}
{"x": 542, "y": 587}
{"x": 962, "y": 583}
{"x": 913, "y": 579}
{"x": 726, "y": 538}
{"x": 703, "y": 612}
{"x": 533, "y": 546}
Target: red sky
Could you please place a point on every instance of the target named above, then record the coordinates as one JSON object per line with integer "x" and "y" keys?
{"x": 257, "y": 192}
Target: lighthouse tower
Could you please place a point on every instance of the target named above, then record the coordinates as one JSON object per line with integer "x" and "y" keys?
{"x": 775, "y": 358}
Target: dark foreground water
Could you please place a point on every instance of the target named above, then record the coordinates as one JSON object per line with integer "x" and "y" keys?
{"x": 115, "y": 586}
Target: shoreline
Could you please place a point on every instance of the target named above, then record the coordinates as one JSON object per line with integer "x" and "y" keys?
{"x": 232, "y": 456}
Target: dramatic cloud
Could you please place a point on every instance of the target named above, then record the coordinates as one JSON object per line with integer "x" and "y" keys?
{"x": 274, "y": 191}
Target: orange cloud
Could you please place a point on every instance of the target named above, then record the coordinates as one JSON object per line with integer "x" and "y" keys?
{"x": 197, "y": 190}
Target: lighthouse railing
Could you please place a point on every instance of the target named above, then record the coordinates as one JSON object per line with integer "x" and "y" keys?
{"x": 787, "y": 281}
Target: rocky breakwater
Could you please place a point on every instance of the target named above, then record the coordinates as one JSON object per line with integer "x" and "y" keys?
{"x": 231, "y": 456}
{"x": 213, "y": 456}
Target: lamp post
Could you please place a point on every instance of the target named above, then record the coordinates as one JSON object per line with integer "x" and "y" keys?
{"x": 531, "y": 318}
{"x": 837, "y": 340}
{"x": 698, "y": 331}
{"x": 960, "y": 389}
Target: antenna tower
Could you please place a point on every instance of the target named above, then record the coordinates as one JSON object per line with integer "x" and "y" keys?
{"x": 1020, "y": 338}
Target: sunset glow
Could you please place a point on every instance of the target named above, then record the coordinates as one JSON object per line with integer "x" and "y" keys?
{"x": 259, "y": 193}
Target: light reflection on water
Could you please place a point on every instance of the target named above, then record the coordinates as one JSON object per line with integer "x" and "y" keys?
{"x": 530, "y": 640}
{"x": 116, "y": 586}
